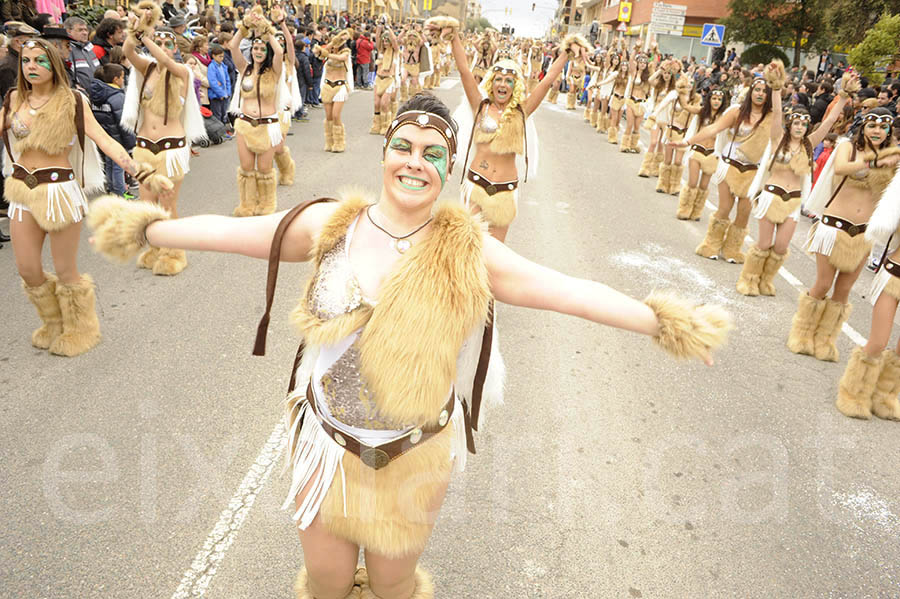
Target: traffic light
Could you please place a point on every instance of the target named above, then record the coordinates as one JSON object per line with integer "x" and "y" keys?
{"x": 533, "y": 4}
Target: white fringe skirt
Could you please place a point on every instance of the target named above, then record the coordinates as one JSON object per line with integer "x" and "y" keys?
{"x": 885, "y": 282}
{"x": 844, "y": 252}
{"x": 54, "y": 206}
{"x": 782, "y": 212}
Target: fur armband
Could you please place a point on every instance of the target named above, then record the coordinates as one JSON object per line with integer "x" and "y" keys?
{"x": 146, "y": 175}
{"x": 687, "y": 330}
{"x": 775, "y": 75}
{"x": 575, "y": 39}
{"x": 441, "y": 23}
{"x": 849, "y": 85}
{"x": 149, "y": 15}
{"x": 242, "y": 29}
{"x": 120, "y": 225}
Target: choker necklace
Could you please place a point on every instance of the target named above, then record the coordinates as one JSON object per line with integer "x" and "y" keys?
{"x": 401, "y": 244}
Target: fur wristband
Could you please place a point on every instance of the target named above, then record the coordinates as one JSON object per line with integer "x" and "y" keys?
{"x": 687, "y": 330}
{"x": 120, "y": 225}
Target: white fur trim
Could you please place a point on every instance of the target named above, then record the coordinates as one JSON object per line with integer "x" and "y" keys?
{"x": 762, "y": 173}
{"x": 821, "y": 193}
{"x": 820, "y": 239}
{"x": 886, "y": 218}
{"x": 761, "y": 203}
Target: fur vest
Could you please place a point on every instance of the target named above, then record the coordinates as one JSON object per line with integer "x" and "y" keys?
{"x": 52, "y": 128}
{"x": 877, "y": 179}
{"x": 267, "y": 83}
{"x": 754, "y": 145}
{"x": 799, "y": 163}
{"x": 509, "y": 138}
{"x": 427, "y": 307}
{"x": 157, "y": 102}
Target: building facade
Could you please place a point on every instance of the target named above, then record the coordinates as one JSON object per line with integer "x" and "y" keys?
{"x": 473, "y": 9}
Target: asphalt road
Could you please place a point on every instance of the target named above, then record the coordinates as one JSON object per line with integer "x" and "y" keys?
{"x": 150, "y": 467}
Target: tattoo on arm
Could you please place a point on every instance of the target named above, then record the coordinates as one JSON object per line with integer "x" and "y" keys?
{"x": 484, "y": 164}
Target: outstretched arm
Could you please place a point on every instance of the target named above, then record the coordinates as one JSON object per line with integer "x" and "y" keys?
{"x": 534, "y": 99}
{"x": 129, "y": 49}
{"x": 234, "y": 46}
{"x": 710, "y": 131}
{"x": 105, "y": 143}
{"x": 465, "y": 74}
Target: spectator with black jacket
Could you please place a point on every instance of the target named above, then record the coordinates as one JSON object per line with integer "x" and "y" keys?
{"x": 823, "y": 97}
{"x": 107, "y": 102}
{"x": 110, "y": 32}
{"x": 317, "y": 66}
{"x": 304, "y": 73}
{"x": 84, "y": 61}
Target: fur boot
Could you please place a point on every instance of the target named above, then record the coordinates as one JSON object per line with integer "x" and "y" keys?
{"x": 644, "y": 171}
{"x": 857, "y": 385}
{"x": 635, "y": 142}
{"x": 553, "y": 95}
{"x": 81, "y": 329}
{"x": 286, "y": 167}
{"x": 44, "y": 299}
{"x": 329, "y": 136}
{"x": 686, "y": 202}
{"x": 770, "y": 269}
{"x": 734, "y": 239}
{"x": 247, "y": 196}
{"x": 804, "y": 323}
{"x": 385, "y": 123}
{"x": 570, "y": 100}
{"x": 587, "y": 113}
{"x": 699, "y": 203}
{"x": 595, "y": 116}
{"x": 170, "y": 262}
{"x": 675, "y": 173}
{"x": 625, "y": 143}
{"x": 662, "y": 184}
{"x": 612, "y": 133}
{"x": 655, "y": 163}
{"x": 266, "y": 188}
{"x": 424, "y": 587}
{"x": 376, "y": 124}
{"x": 148, "y": 258}
{"x": 884, "y": 400}
{"x": 715, "y": 235}
{"x": 603, "y": 123}
{"x": 340, "y": 138}
{"x": 828, "y": 329}
{"x": 301, "y": 585}
{"x": 748, "y": 282}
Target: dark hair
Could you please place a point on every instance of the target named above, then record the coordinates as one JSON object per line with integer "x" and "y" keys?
{"x": 226, "y": 27}
{"x": 786, "y": 138}
{"x": 108, "y": 72}
{"x": 108, "y": 27}
{"x": 861, "y": 142}
{"x": 829, "y": 89}
{"x": 215, "y": 49}
{"x": 706, "y": 110}
{"x": 428, "y": 102}
{"x": 832, "y": 137}
{"x": 116, "y": 55}
{"x": 747, "y": 105}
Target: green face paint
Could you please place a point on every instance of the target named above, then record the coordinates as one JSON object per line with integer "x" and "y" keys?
{"x": 437, "y": 155}
{"x": 44, "y": 61}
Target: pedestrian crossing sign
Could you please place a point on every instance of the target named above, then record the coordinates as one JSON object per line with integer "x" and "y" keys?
{"x": 712, "y": 35}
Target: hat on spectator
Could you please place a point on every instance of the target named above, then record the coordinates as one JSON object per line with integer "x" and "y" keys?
{"x": 56, "y": 33}
{"x": 14, "y": 28}
{"x": 176, "y": 21}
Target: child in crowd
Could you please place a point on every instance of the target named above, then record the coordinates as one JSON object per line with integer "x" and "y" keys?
{"x": 827, "y": 148}
{"x": 219, "y": 84}
{"x": 107, "y": 100}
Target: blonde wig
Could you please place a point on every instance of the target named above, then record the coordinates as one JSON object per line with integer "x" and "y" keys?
{"x": 518, "y": 95}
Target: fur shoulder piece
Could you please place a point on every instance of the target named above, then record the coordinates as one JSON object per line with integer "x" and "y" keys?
{"x": 886, "y": 218}
{"x": 53, "y": 127}
{"x": 426, "y": 310}
{"x": 574, "y": 40}
{"x": 882, "y": 153}
{"x": 145, "y": 22}
{"x": 334, "y": 230}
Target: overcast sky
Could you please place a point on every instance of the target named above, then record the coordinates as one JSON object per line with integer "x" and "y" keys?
{"x": 525, "y": 22}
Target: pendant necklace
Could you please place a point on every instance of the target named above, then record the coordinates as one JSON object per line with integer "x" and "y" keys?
{"x": 401, "y": 244}
{"x": 31, "y": 109}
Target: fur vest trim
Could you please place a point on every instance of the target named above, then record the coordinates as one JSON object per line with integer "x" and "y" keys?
{"x": 157, "y": 102}
{"x": 509, "y": 138}
{"x": 52, "y": 128}
{"x": 267, "y": 84}
{"x": 755, "y": 144}
{"x": 426, "y": 308}
{"x": 877, "y": 178}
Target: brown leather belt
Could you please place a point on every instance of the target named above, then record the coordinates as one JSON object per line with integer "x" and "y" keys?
{"x": 678, "y": 129}
{"x": 638, "y": 100}
{"x": 379, "y": 457}
{"x": 702, "y": 150}
{"x": 335, "y": 83}
{"x": 266, "y": 120}
{"x": 42, "y": 175}
{"x": 489, "y": 187}
{"x": 740, "y": 165}
{"x": 782, "y": 193}
{"x": 891, "y": 266}
{"x": 620, "y": 96}
{"x": 166, "y": 143}
{"x": 846, "y": 226}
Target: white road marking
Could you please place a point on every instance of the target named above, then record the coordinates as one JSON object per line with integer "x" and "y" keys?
{"x": 449, "y": 83}
{"x": 196, "y": 580}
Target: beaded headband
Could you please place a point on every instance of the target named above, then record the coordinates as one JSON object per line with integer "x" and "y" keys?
{"x": 718, "y": 92}
{"x": 799, "y": 116}
{"x": 504, "y": 70}
{"x": 425, "y": 120}
{"x": 878, "y": 118}
{"x": 168, "y": 34}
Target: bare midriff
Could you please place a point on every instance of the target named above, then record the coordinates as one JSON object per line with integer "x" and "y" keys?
{"x": 494, "y": 167}
{"x": 35, "y": 159}
{"x": 786, "y": 179}
{"x": 154, "y": 126}
{"x": 853, "y": 202}
{"x": 251, "y": 107}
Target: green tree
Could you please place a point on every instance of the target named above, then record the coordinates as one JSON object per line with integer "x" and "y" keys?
{"x": 849, "y": 20}
{"x": 478, "y": 25}
{"x": 778, "y": 22}
{"x": 879, "y": 47}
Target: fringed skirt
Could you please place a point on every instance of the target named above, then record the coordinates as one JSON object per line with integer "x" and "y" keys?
{"x": 174, "y": 163}
{"x": 886, "y": 282}
{"x": 261, "y": 138}
{"x": 54, "y": 206}
{"x": 388, "y": 511}
{"x": 498, "y": 210}
{"x": 284, "y": 119}
{"x": 708, "y": 164}
{"x": 384, "y": 84}
{"x": 637, "y": 108}
{"x": 844, "y": 252}
{"x": 771, "y": 207}
{"x": 334, "y": 93}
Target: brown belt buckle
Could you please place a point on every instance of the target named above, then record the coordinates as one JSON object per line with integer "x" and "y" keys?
{"x": 491, "y": 189}
{"x": 31, "y": 180}
{"x": 853, "y": 230}
{"x": 374, "y": 458}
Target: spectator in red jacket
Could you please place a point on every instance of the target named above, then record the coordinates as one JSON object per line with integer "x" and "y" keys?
{"x": 364, "y": 48}
{"x": 828, "y": 147}
{"x": 110, "y": 32}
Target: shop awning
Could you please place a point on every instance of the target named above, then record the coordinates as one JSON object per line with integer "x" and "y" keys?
{"x": 393, "y": 4}
{"x": 413, "y": 6}
{"x": 379, "y": 3}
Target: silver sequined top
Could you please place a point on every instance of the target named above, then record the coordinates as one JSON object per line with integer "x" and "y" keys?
{"x": 336, "y": 291}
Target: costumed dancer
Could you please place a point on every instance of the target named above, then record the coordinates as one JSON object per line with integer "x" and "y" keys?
{"x": 484, "y": 54}
{"x": 393, "y": 369}
{"x": 845, "y": 195}
{"x": 292, "y": 101}
{"x": 498, "y": 110}
{"x": 702, "y": 160}
{"x": 385, "y": 75}
{"x": 575, "y": 71}
{"x": 435, "y": 48}
{"x": 535, "y": 60}
{"x": 162, "y": 110}
{"x": 748, "y": 128}
{"x": 605, "y": 83}
{"x": 413, "y": 44}
{"x": 617, "y": 101}
{"x": 637, "y": 94}
{"x": 595, "y": 68}
{"x": 49, "y": 161}
{"x": 675, "y": 113}
{"x": 257, "y": 102}
{"x": 871, "y": 382}
{"x": 780, "y": 186}
{"x": 662, "y": 81}
{"x": 337, "y": 85}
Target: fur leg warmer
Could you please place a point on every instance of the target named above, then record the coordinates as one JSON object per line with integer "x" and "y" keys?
{"x": 687, "y": 330}
{"x": 247, "y": 196}
{"x": 655, "y": 163}
{"x": 685, "y": 202}
{"x": 120, "y": 226}
{"x": 675, "y": 178}
{"x": 625, "y": 143}
{"x": 825, "y": 337}
{"x": 804, "y": 323}
{"x": 770, "y": 269}
{"x": 553, "y": 96}
{"x": 595, "y": 115}
{"x": 286, "y": 167}
{"x": 644, "y": 171}
{"x": 731, "y": 248}
{"x": 340, "y": 138}
{"x": 612, "y": 133}
{"x": 635, "y": 141}
{"x": 662, "y": 184}
{"x": 424, "y": 587}
{"x": 603, "y": 123}
{"x": 81, "y": 329}
{"x": 884, "y": 400}
{"x": 857, "y": 385}
{"x": 376, "y": 124}
{"x": 267, "y": 194}
{"x": 170, "y": 262}
{"x": 329, "y": 136}
{"x": 715, "y": 235}
{"x": 699, "y": 203}
{"x": 301, "y": 585}
{"x": 148, "y": 258}
{"x": 45, "y": 301}
{"x": 385, "y": 123}
{"x": 748, "y": 282}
